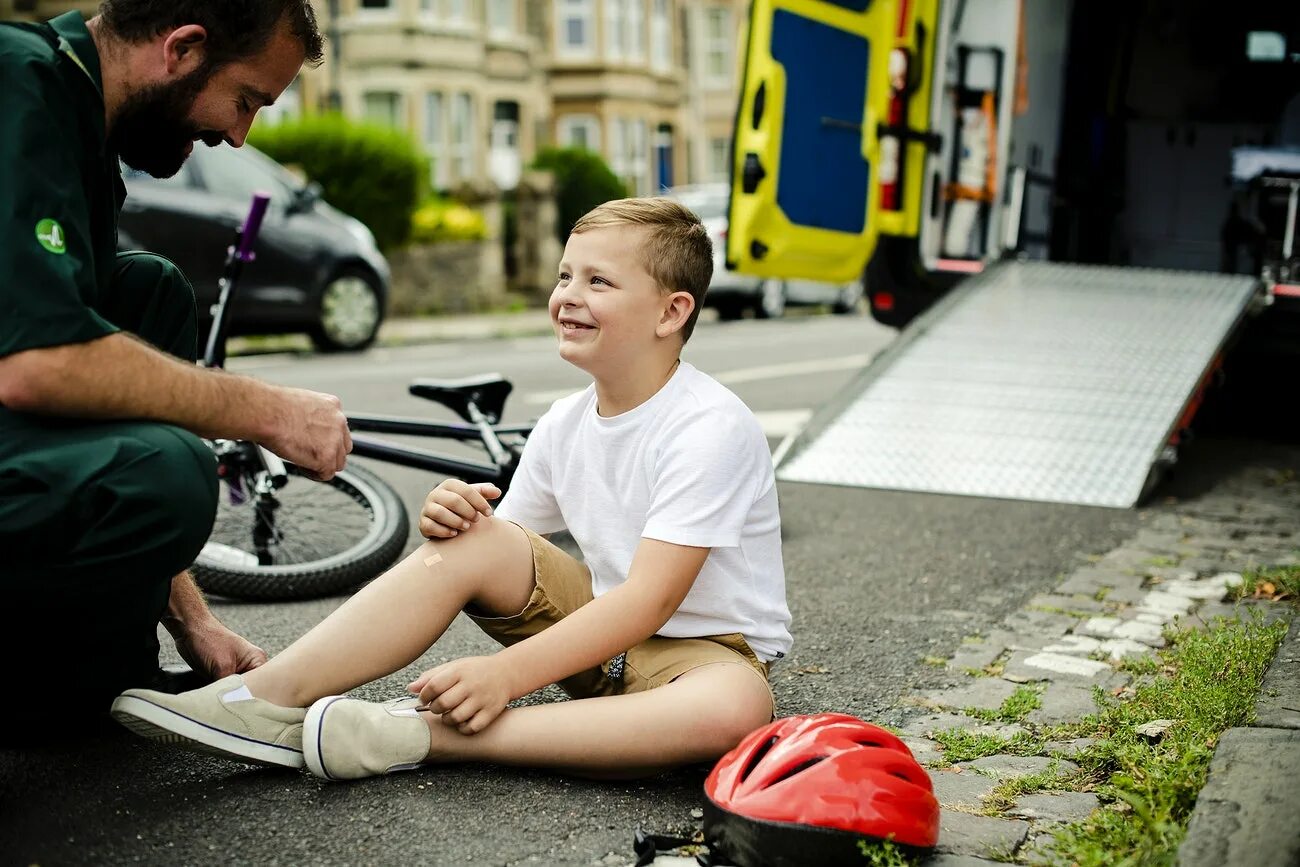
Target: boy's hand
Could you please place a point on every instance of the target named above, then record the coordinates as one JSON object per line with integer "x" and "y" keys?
{"x": 469, "y": 693}
{"x": 454, "y": 506}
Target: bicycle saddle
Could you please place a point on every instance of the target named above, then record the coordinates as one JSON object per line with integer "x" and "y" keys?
{"x": 488, "y": 392}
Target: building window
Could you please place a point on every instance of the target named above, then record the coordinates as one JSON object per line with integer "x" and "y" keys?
{"x": 453, "y": 13}
{"x": 574, "y": 36}
{"x": 287, "y": 107}
{"x": 580, "y": 131}
{"x": 383, "y": 107}
{"x": 629, "y": 154}
{"x": 435, "y": 139}
{"x": 462, "y": 136}
{"x": 634, "y": 14}
{"x": 661, "y": 46}
{"x": 625, "y": 29}
{"x": 376, "y": 4}
{"x": 377, "y": 8}
{"x": 503, "y": 17}
{"x": 718, "y": 37}
{"x": 719, "y": 159}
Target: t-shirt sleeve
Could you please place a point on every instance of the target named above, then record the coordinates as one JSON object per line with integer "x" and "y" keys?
{"x": 531, "y": 498}
{"x": 707, "y": 479}
{"x": 47, "y": 270}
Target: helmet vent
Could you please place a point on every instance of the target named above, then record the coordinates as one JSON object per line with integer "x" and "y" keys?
{"x": 757, "y": 757}
{"x": 870, "y": 744}
{"x": 799, "y": 768}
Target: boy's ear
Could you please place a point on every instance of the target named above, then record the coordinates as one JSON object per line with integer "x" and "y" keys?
{"x": 677, "y": 309}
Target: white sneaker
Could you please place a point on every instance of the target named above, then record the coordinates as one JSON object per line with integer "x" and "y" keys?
{"x": 346, "y": 739}
{"x": 222, "y": 718}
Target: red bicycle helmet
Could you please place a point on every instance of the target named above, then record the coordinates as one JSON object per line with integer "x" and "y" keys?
{"x": 808, "y": 789}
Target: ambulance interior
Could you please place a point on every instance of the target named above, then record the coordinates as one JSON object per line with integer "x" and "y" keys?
{"x": 1123, "y": 122}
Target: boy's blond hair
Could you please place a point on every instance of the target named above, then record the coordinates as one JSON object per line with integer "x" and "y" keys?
{"x": 678, "y": 253}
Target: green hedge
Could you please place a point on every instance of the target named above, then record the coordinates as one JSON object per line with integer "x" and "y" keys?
{"x": 582, "y": 181}
{"x": 373, "y": 173}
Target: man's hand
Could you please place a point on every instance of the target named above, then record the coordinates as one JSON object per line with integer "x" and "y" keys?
{"x": 213, "y": 648}
{"x": 469, "y": 693}
{"x": 454, "y": 506}
{"x": 312, "y": 432}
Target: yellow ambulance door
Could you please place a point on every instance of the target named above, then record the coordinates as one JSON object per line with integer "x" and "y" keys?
{"x": 805, "y": 187}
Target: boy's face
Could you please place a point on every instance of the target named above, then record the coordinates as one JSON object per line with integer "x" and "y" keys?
{"x": 606, "y": 309}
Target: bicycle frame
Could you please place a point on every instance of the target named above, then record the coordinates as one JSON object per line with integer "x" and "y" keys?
{"x": 258, "y": 459}
{"x": 423, "y": 459}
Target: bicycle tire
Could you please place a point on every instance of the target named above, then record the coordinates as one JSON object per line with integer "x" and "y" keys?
{"x": 228, "y": 570}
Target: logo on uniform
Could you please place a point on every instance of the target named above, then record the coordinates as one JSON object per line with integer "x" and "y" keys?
{"x": 50, "y": 235}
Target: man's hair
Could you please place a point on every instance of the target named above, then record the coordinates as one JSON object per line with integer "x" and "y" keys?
{"x": 237, "y": 29}
{"x": 677, "y": 253}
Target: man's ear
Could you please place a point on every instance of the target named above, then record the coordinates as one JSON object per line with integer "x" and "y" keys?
{"x": 184, "y": 49}
{"x": 677, "y": 310}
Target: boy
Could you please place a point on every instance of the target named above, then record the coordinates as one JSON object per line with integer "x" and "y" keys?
{"x": 664, "y": 479}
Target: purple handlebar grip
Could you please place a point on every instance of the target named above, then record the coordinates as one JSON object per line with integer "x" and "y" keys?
{"x": 252, "y": 223}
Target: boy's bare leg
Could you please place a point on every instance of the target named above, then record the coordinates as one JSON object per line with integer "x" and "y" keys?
{"x": 696, "y": 718}
{"x": 390, "y": 622}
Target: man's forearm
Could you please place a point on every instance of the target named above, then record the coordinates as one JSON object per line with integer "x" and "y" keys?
{"x": 119, "y": 377}
{"x": 186, "y": 607}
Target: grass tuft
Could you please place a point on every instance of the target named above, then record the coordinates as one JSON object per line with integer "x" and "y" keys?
{"x": 1014, "y": 709}
{"x": 1278, "y": 583}
{"x": 1207, "y": 683}
{"x": 884, "y": 853}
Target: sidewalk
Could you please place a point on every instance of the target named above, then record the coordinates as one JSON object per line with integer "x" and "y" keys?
{"x": 414, "y": 330}
{"x": 1177, "y": 571}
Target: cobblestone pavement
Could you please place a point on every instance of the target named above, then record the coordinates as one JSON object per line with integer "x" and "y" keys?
{"x": 1176, "y": 571}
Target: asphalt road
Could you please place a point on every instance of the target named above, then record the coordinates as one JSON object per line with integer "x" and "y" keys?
{"x": 877, "y": 581}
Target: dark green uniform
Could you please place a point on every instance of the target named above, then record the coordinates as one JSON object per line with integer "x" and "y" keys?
{"x": 95, "y": 518}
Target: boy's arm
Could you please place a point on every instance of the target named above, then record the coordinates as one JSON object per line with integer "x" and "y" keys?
{"x": 471, "y": 692}
{"x": 661, "y": 575}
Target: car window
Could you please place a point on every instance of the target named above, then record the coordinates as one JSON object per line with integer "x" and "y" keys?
{"x": 707, "y": 206}
{"x": 236, "y": 175}
{"x": 183, "y": 178}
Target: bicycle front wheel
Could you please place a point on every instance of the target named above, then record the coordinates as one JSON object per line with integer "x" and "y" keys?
{"x": 327, "y": 537}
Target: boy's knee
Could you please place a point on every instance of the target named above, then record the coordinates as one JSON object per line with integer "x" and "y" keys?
{"x": 739, "y": 703}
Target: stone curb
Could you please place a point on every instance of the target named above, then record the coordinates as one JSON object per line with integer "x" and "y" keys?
{"x": 1243, "y": 815}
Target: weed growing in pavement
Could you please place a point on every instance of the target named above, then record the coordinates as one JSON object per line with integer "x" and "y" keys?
{"x": 884, "y": 853}
{"x": 1004, "y": 794}
{"x": 1278, "y": 583}
{"x": 934, "y": 661}
{"x": 1014, "y": 709}
{"x": 963, "y": 746}
{"x": 1207, "y": 684}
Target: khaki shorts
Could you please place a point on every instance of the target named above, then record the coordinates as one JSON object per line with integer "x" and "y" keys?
{"x": 562, "y": 586}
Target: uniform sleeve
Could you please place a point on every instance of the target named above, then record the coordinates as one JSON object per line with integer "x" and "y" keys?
{"x": 531, "y": 498}
{"x": 44, "y": 285}
{"x": 707, "y": 480}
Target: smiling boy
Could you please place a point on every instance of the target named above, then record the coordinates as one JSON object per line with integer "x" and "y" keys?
{"x": 663, "y": 635}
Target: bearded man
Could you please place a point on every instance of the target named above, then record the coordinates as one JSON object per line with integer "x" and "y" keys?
{"x": 107, "y": 491}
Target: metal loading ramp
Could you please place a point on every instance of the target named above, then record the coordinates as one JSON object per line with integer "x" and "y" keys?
{"x": 1032, "y": 381}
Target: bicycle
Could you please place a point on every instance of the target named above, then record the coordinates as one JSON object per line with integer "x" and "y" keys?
{"x": 279, "y": 534}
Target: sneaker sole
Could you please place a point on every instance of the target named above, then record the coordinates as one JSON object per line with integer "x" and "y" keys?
{"x": 167, "y": 726}
{"x": 311, "y": 734}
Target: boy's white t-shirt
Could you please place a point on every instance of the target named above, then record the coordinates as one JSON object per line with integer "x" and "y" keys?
{"x": 690, "y": 466}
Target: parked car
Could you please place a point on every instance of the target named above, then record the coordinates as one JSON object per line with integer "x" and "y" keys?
{"x": 318, "y": 271}
{"x": 732, "y": 293}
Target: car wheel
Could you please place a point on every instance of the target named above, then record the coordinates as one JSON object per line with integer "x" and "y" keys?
{"x": 771, "y": 299}
{"x": 351, "y": 309}
{"x": 849, "y": 299}
{"x": 730, "y": 310}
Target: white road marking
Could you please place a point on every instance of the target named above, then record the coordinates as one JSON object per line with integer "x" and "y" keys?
{"x": 744, "y": 374}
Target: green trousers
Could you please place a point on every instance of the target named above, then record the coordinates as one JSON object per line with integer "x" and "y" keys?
{"x": 97, "y": 517}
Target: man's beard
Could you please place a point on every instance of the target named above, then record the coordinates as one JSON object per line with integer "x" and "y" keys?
{"x": 152, "y": 129}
